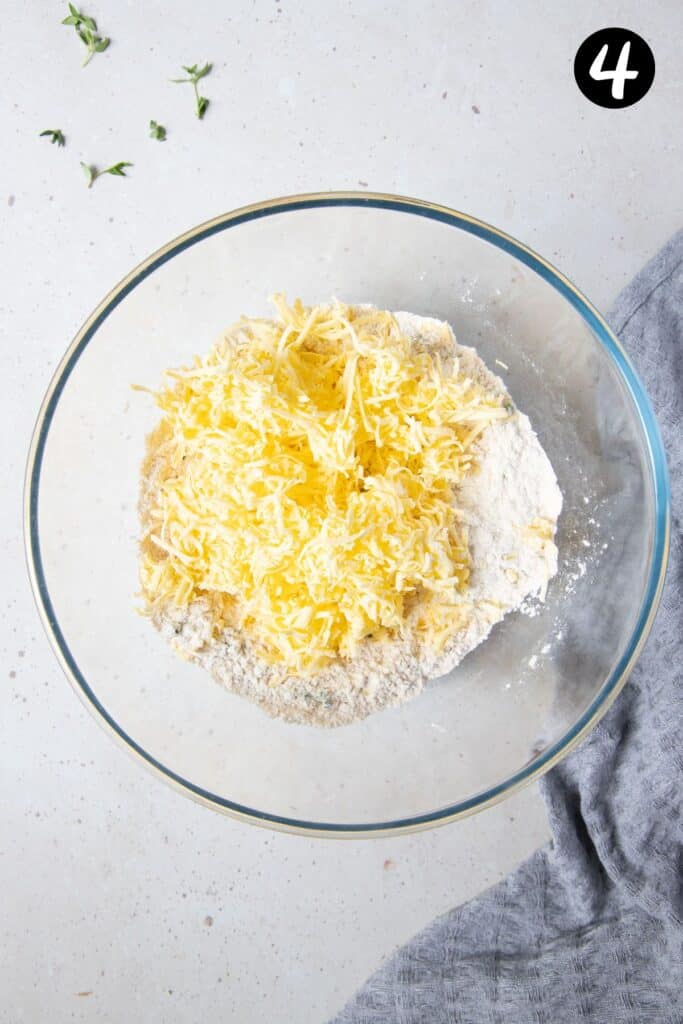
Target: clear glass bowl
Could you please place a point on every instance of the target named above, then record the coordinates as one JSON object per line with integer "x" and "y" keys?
{"x": 514, "y": 706}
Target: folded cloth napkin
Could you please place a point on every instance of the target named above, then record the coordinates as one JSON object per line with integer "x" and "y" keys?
{"x": 590, "y": 927}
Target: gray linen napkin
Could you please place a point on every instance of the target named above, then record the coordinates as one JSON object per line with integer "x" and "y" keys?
{"x": 590, "y": 927}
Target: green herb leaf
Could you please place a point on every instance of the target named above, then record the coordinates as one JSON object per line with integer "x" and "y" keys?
{"x": 86, "y": 30}
{"x": 90, "y": 173}
{"x": 157, "y": 131}
{"x": 195, "y": 74}
{"x": 56, "y": 135}
{"x": 118, "y": 169}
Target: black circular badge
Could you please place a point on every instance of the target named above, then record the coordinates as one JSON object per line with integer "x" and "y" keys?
{"x": 614, "y": 67}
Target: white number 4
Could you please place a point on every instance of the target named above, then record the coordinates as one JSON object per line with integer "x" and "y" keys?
{"x": 620, "y": 73}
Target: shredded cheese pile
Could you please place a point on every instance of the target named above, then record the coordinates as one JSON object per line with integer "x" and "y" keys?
{"x": 302, "y": 482}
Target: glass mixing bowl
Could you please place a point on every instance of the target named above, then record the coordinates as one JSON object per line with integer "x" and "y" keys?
{"x": 518, "y": 703}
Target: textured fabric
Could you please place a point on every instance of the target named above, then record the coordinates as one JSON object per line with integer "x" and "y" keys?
{"x": 590, "y": 928}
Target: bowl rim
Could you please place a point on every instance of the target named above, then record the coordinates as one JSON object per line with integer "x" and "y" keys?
{"x": 536, "y": 766}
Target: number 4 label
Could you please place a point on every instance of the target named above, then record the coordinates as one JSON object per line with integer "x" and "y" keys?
{"x": 620, "y": 73}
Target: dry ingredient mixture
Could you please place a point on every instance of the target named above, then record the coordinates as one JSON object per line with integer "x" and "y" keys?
{"x": 337, "y": 506}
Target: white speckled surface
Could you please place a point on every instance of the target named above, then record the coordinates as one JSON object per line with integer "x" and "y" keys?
{"x": 121, "y": 900}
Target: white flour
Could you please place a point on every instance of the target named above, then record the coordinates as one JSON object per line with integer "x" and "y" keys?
{"x": 513, "y": 488}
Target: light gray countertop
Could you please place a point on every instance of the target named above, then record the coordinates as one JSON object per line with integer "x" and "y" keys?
{"x": 121, "y": 900}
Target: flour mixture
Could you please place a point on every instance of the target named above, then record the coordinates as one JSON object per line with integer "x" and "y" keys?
{"x": 337, "y": 506}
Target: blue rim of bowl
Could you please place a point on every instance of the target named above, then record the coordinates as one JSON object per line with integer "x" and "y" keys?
{"x": 657, "y": 465}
